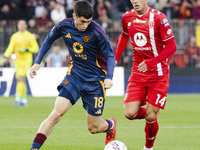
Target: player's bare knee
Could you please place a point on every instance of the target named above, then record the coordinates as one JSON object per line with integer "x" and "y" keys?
{"x": 129, "y": 114}
{"x": 151, "y": 116}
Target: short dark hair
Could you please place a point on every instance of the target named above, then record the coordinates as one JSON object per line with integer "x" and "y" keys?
{"x": 84, "y": 9}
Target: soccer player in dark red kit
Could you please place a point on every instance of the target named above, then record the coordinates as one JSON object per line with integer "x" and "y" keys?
{"x": 153, "y": 43}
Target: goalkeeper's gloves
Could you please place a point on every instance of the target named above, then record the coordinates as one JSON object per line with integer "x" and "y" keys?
{"x": 3, "y": 61}
{"x": 23, "y": 50}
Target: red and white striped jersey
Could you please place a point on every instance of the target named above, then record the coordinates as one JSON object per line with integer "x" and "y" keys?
{"x": 148, "y": 33}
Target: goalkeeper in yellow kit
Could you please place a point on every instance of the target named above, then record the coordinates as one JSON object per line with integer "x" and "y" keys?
{"x": 23, "y": 44}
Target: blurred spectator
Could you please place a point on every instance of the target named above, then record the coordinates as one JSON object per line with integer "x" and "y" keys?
{"x": 30, "y": 10}
{"x": 5, "y": 13}
{"x": 44, "y": 22}
{"x": 55, "y": 58}
{"x": 185, "y": 10}
{"x": 114, "y": 31}
{"x": 111, "y": 9}
{"x": 192, "y": 53}
{"x": 171, "y": 9}
{"x": 172, "y": 64}
{"x": 124, "y": 5}
{"x": 57, "y": 14}
{"x": 196, "y": 9}
{"x": 152, "y": 3}
{"x": 69, "y": 8}
{"x": 103, "y": 15}
{"x": 32, "y": 27}
{"x": 182, "y": 33}
{"x": 52, "y": 5}
{"x": 15, "y": 10}
{"x": 39, "y": 8}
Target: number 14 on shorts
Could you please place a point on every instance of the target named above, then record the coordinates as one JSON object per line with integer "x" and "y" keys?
{"x": 161, "y": 101}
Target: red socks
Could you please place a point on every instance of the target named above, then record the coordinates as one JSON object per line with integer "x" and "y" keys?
{"x": 141, "y": 114}
{"x": 151, "y": 130}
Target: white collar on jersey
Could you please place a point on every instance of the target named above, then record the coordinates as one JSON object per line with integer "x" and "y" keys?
{"x": 144, "y": 13}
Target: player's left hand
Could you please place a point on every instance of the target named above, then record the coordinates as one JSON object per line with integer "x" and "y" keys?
{"x": 142, "y": 67}
{"x": 108, "y": 83}
{"x": 22, "y": 50}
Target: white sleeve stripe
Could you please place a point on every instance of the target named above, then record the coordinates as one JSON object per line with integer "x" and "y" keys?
{"x": 125, "y": 33}
{"x": 168, "y": 38}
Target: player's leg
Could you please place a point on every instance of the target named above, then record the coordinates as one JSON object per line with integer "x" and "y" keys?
{"x": 21, "y": 89}
{"x": 135, "y": 97}
{"x": 156, "y": 101}
{"x": 67, "y": 97}
{"x": 133, "y": 110}
{"x": 62, "y": 105}
{"x": 97, "y": 125}
{"x": 93, "y": 102}
{"x": 151, "y": 127}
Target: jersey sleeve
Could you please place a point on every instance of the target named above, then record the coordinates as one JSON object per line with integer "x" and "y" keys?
{"x": 164, "y": 27}
{"x": 124, "y": 25}
{"x": 10, "y": 48}
{"x": 54, "y": 34}
{"x": 107, "y": 51}
{"x": 34, "y": 45}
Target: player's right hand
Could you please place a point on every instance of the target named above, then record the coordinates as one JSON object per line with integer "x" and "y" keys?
{"x": 116, "y": 63}
{"x": 108, "y": 83}
{"x": 33, "y": 70}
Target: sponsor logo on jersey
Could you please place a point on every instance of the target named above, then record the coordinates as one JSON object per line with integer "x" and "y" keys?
{"x": 78, "y": 47}
{"x": 140, "y": 39}
{"x": 151, "y": 24}
{"x": 143, "y": 48}
{"x": 98, "y": 112}
{"x": 86, "y": 39}
{"x": 68, "y": 36}
{"x": 166, "y": 25}
{"x": 139, "y": 21}
{"x": 169, "y": 31}
{"x": 164, "y": 21}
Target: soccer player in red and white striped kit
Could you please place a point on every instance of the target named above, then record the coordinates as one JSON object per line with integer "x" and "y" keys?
{"x": 153, "y": 43}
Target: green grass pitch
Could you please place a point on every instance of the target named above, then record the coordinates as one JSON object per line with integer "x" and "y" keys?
{"x": 179, "y": 125}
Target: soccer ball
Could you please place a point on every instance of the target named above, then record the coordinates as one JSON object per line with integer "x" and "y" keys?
{"x": 115, "y": 145}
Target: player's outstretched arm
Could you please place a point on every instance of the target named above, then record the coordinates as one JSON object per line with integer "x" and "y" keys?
{"x": 108, "y": 83}
{"x": 33, "y": 70}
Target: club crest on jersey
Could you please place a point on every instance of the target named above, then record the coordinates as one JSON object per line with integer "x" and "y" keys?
{"x": 151, "y": 24}
{"x": 164, "y": 21}
{"x": 86, "y": 39}
{"x": 139, "y": 21}
{"x": 65, "y": 82}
